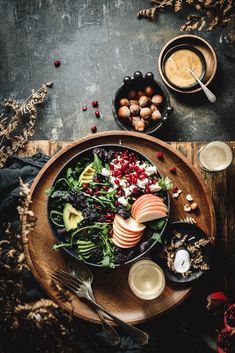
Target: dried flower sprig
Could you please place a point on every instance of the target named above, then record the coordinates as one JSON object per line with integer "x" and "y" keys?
{"x": 11, "y": 140}
{"x": 210, "y": 12}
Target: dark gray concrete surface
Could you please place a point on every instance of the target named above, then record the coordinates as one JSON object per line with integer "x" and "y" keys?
{"x": 99, "y": 42}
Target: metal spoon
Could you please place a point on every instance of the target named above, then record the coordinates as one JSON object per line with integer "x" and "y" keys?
{"x": 211, "y": 97}
{"x": 83, "y": 273}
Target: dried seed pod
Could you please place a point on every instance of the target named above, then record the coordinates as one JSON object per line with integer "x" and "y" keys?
{"x": 194, "y": 206}
{"x": 156, "y": 115}
{"x": 153, "y": 108}
{"x": 143, "y": 101}
{"x": 149, "y": 91}
{"x": 187, "y": 208}
{"x": 132, "y": 94}
{"x": 145, "y": 113}
{"x": 124, "y": 112}
{"x": 140, "y": 94}
{"x": 124, "y": 101}
{"x": 134, "y": 101}
{"x": 157, "y": 99}
{"x": 134, "y": 109}
{"x": 140, "y": 126}
{"x": 135, "y": 120}
{"x": 189, "y": 198}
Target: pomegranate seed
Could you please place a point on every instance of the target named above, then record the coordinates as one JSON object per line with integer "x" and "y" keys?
{"x": 117, "y": 203}
{"x": 111, "y": 167}
{"x": 135, "y": 190}
{"x": 57, "y": 63}
{"x": 116, "y": 154}
{"x": 160, "y": 155}
{"x": 95, "y": 104}
{"x": 129, "y": 178}
{"x": 84, "y": 109}
{"x": 117, "y": 182}
{"x": 175, "y": 189}
{"x": 119, "y": 193}
{"x": 150, "y": 182}
{"x": 119, "y": 174}
{"x": 93, "y": 129}
{"x": 115, "y": 161}
{"x": 172, "y": 170}
{"x": 128, "y": 184}
{"x": 97, "y": 114}
{"x": 84, "y": 186}
{"x": 154, "y": 181}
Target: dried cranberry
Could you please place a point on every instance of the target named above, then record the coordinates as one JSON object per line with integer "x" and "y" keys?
{"x": 172, "y": 170}
{"x": 84, "y": 109}
{"x": 175, "y": 189}
{"x": 95, "y": 104}
{"x": 160, "y": 155}
{"x": 93, "y": 129}
{"x": 57, "y": 63}
{"x": 97, "y": 114}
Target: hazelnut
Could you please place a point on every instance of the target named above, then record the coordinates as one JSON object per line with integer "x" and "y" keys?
{"x": 143, "y": 101}
{"x": 132, "y": 94}
{"x": 124, "y": 112}
{"x": 134, "y": 109}
{"x": 135, "y": 120}
{"x": 157, "y": 99}
{"x": 156, "y": 115}
{"x": 140, "y": 126}
{"x": 145, "y": 113}
{"x": 140, "y": 94}
{"x": 124, "y": 101}
{"x": 153, "y": 107}
{"x": 149, "y": 91}
{"x": 194, "y": 206}
{"x": 134, "y": 101}
{"x": 189, "y": 198}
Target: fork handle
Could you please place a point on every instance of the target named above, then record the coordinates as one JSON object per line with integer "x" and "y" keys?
{"x": 140, "y": 337}
{"x": 110, "y": 333}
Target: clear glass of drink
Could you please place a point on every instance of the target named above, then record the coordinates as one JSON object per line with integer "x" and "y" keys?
{"x": 215, "y": 156}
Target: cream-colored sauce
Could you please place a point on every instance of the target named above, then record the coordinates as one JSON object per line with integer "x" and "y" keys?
{"x": 177, "y": 65}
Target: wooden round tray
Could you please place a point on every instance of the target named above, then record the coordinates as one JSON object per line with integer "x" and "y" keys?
{"x": 111, "y": 286}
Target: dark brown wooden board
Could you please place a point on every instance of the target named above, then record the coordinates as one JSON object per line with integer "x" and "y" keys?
{"x": 111, "y": 287}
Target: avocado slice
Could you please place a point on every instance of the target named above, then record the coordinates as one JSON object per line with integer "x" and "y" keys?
{"x": 71, "y": 216}
{"x": 87, "y": 175}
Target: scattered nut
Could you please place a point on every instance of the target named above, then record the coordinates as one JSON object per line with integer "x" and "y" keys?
{"x": 140, "y": 126}
{"x": 124, "y": 101}
{"x": 140, "y": 94}
{"x": 123, "y": 112}
{"x": 135, "y": 120}
{"x": 187, "y": 208}
{"x": 153, "y": 108}
{"x": 143, "y": 101}
{"x": 132, "y": 94}
{"x": 157, "y": 99}
{"x": 134, "y": 101}
{"x": 179, "y": 191}
{"x": 134, "y": 109}
{"x": 145, "y": 113}
{"x": 194, "y": 206}
{"x": 156, "y": 115}
{"x": 175, "y": 195}
{"x": 149, "y": 91}
{"x": 189, "y": 198}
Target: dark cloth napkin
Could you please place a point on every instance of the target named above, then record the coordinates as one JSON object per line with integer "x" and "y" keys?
{"x": 177, "y": 332}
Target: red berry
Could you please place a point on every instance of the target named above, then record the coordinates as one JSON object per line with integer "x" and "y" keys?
{"x": 172, "y": 170}
{"x": 117, "y": 182}
{"x": 175, "y": 189}
{"x": 93, "y": 129}
{"x": 160, "y": 155}
{"x": 84, "y": 109}
{"x": 97, "y": 114}
{"x": 95, "y": 104}
{"x": 57, "y": 63}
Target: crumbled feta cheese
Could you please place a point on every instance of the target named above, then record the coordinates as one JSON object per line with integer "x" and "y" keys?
{"x": 115, "y": 186}
{"x": 142, "y": 183}
{"x": 150, "y": 170}
{"x": 154, "y": 187}
{"x": 122, "y": 182}
{"x": 105, "y": 172}
{"x": 123, "y": 201}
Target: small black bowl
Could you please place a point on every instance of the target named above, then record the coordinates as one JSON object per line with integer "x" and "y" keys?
{"x": 138, "y": 83}
{"x": 197, "y": 52}
{"x": 194, "y": 231}
{"x": 88, "y": 155}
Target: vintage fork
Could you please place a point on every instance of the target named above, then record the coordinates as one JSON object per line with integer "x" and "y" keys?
{"x": 71, "y": 283}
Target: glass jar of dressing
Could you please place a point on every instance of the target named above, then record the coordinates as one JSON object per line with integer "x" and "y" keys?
{"x": 146, "y": 279}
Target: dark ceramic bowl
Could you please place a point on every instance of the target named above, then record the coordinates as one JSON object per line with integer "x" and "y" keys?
{"x": 139, "y": 82}
{"x": 88, "y": 154}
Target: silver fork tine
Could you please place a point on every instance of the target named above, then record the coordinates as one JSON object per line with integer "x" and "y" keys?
{"x": 69, "y": 276}
{"x": 66, "y": 282}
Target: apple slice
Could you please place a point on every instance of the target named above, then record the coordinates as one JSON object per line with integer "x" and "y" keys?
{"x": 129, "y": 224}
{"x": 147, "y": 203}
{"x": 147, "y": 216}
{"x": 145, "y": 198}
{"x": 121, "y": 244}
{"x": 123, "y": 239}
{"x": 127, "y": 235}
{"x": 158, "y": 207}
